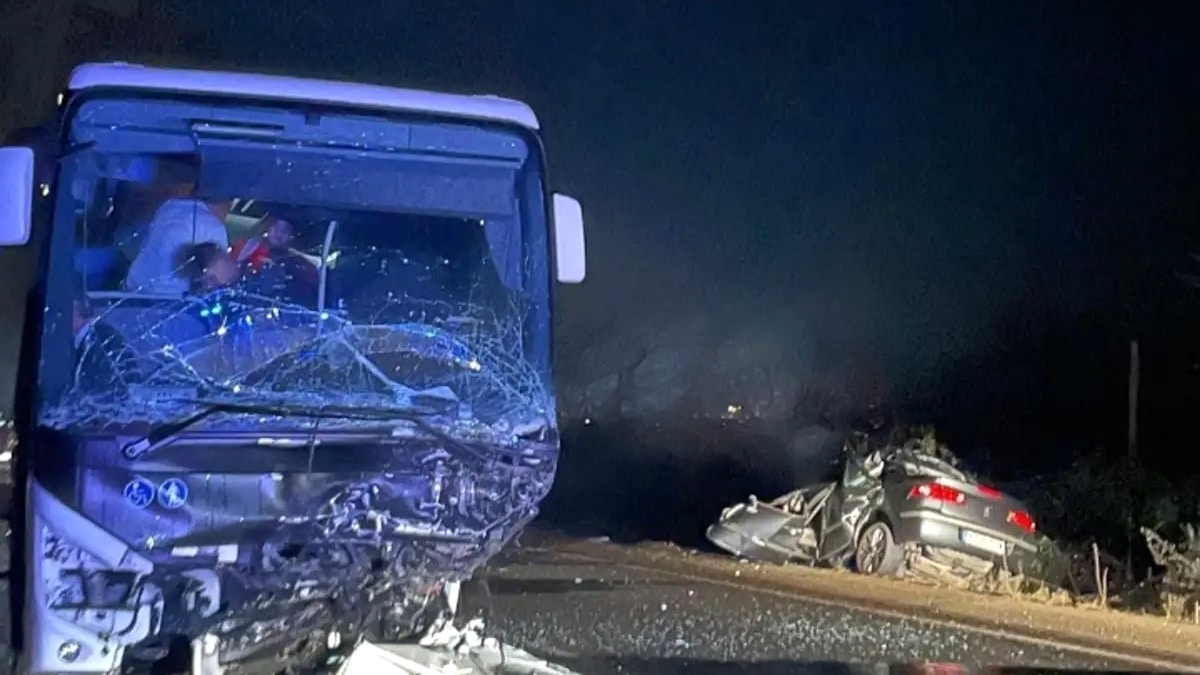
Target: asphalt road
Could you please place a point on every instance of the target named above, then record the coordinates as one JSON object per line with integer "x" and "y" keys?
{"x": 597, "y": 617}
{"x": 601, "y": 617}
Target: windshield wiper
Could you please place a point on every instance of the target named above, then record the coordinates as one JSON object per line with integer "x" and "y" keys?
{"x": 167, "y": 432}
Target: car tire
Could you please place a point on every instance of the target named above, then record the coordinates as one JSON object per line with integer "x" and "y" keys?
{"x": 877, "y": 552}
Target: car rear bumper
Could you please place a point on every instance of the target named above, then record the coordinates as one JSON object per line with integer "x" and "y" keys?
{"x": 942, "y": 531}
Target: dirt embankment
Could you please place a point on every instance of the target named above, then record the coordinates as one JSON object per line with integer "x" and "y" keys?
{"x": 1153, "y": 640}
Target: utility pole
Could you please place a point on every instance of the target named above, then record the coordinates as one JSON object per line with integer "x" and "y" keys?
{"x": 1135, "y": 374}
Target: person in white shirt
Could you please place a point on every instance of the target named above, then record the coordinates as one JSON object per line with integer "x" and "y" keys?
{"x": 177, "y": 227}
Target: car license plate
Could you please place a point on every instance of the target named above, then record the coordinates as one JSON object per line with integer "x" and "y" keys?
{"x": 984, "y": 542}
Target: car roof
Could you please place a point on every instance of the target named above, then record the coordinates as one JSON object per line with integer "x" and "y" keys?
{"x": 284, "y": 88}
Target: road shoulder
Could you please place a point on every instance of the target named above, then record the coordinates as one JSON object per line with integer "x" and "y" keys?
{"x": 1173, "y": 645}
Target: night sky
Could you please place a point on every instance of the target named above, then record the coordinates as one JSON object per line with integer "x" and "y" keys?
{"x": 908, "y": 169}
{"x": 907, "y": 181}
{"x": 941, "y": 156}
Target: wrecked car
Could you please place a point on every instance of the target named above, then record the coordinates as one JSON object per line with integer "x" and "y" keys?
{"x": 236, "y": 468}
{"x": 896, "y": 510}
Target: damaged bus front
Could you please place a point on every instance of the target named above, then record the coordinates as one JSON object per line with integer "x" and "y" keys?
{"x": 288, "y": 372}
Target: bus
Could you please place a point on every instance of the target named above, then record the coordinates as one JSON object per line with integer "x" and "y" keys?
{"x": 286, "y": 377}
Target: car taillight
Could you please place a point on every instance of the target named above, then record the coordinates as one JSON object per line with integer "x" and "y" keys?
{"x": 1023, "y": 520}
{"x": 989, "y": 492}
{"x": 937, "y": 492}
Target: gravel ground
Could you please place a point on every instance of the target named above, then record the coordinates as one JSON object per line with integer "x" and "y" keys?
{"x": 632, "y": 620}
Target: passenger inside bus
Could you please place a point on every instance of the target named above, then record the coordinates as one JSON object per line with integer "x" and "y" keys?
{"x": 207, "y": 267}
{"x": 179, "y": 222}
{"x": 271, "y": 266}
{"x": 177, "y": 225}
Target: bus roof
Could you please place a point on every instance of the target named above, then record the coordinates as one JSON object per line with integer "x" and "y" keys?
{"x": 282, "y": 88}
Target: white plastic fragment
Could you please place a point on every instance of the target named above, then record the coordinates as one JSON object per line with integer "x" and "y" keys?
{"x": 448, "y": 650}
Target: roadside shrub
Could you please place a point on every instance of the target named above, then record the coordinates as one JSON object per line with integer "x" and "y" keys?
{"x": 1179, "y": 588}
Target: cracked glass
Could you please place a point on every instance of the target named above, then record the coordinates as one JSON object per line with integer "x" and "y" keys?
{"x": 222, "y": 252}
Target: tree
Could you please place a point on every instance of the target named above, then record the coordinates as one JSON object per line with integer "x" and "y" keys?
{"x": 626, "y": 363}
{"x": 755, "y": 369}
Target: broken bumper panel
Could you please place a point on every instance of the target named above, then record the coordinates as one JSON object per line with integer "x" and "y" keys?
{"x": 87, "y": 599}
{"x": 762, "y": 532}
{"x": 733, "y": 539}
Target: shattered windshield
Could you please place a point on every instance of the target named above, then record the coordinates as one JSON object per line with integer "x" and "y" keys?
{"x": 318, "y": 260}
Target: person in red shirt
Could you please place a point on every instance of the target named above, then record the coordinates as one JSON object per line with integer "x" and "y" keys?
{"x": 270, "y": 258}
{"x": 255, "y": 253}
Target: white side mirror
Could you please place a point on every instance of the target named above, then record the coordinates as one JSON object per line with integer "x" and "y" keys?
{"x": 570, "y": 255}
{"x": 16, "y": 195}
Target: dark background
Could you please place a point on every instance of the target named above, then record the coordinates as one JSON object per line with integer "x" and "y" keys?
{"x": 963, "y": 211}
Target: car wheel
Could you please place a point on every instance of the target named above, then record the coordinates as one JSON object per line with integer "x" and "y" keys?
{"x": 877, "y": 551}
